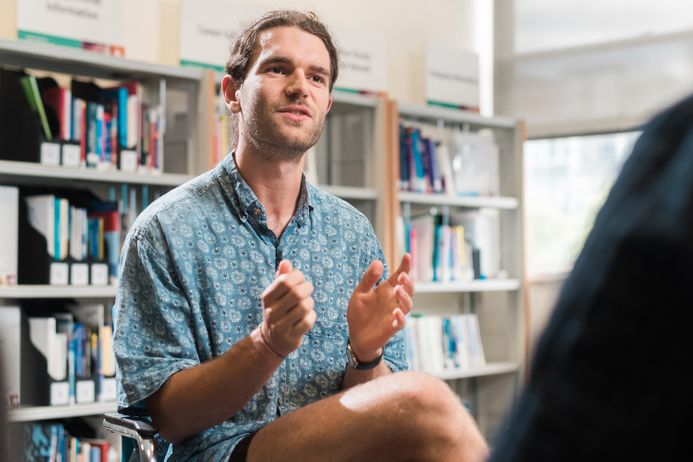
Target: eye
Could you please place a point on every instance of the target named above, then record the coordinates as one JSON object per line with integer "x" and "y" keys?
{"x": 277, "y": 70}
{"x": 318, "y": 79}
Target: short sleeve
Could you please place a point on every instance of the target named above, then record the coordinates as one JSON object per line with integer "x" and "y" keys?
{"x": 153, "y": 337}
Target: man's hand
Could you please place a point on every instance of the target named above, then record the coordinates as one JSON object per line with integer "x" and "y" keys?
{"x": 374, "y": 313}
{"x": 288, "y": 310}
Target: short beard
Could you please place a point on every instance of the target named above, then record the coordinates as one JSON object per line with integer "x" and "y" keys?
{"x": 288, "y": 151}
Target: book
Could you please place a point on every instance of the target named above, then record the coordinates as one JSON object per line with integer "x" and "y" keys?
{"x": 10, "y": 349}
{"x": 33, "y": 97}
{"x": 52, "y": 344}
{"x": 60, "y": 101}
{"x": 41, "y": 217}
{"x": 43, "y": 441}
{"x": 9, "y": 211}
{"x": 422, "y": 244}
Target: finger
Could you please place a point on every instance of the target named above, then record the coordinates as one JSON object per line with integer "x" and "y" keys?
{"x": 291, "y": 299}
{"x": 404, "y": 267}
{"x": 281, "y": 286}
{"x": 405, "y": 281}
{"x": 392, "y": 324}
{"x": 399, "y": 319}
{"x": 307, "y": 323}
{"x": 404, "y": 300}
{"x": 289, "y": 322}
{"x": 370, "y": 277}
{"x": 284, "y": 268}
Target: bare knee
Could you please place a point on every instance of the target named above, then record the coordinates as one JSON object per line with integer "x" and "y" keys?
{"x": 435, "y": 422}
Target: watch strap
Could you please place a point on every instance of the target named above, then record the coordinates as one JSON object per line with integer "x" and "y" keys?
{"x": 356, "y": 364}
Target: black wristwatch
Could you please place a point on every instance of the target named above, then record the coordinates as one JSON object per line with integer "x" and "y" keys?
{"x": 356, "y": 364}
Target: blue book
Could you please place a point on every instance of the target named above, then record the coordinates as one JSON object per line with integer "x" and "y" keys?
{"x": 119, "y": 95}
{"x": 95, "y": 454}
{"x": 418, "y": 177}
{"x": 56, "y": 228}
{"x": 403, "y": 160}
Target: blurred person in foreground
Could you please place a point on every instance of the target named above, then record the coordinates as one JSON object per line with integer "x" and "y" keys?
{"x": 610, "y": 378}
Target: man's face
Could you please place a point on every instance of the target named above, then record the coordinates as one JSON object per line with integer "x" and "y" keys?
{"x": 285, "y": 96}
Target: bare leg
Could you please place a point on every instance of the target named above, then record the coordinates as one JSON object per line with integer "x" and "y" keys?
{"x": 400, "y": 417}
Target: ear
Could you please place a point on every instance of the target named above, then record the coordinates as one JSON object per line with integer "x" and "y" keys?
{"x": 329, "y": 104}
{"x": 230, "y": 88}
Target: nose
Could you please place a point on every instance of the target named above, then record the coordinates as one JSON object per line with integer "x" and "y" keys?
{"x": 297, "y": 85}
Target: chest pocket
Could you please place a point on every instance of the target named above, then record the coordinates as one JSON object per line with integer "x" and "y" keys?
{"x": 316, "y": 372}
{"x": 330, "y": 329}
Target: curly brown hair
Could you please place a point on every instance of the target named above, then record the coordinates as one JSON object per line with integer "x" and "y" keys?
{"x": 246, "y": 42}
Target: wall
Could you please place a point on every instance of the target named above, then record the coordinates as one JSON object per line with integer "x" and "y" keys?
{"x": 152, "y": 31}
{"x": 567, "y": 67}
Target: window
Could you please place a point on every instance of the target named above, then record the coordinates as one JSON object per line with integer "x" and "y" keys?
{"x": 566, "y": 182}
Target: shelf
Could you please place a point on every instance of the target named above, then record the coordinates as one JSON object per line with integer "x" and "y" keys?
{"x": 354, "y": 99}
{"x": 27, "y": 53}
{"x": 46, "y": 291}
{"x": 488, "y": 285}
{"x": 490, "y": 202}
{"x": 9, "y": 168}
{"x": 32, "y": 413}
{"x": 489, "y": 369}
{"x": 350, "y": 192}
{"x": 435, "y": 113}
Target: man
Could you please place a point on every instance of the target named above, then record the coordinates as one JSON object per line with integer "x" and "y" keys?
{"x": 610, "y": 378}
{"x": 244, "y": 292}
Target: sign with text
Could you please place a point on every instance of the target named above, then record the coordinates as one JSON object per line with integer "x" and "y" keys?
{"x": 208, "y": 27}
{"x": 452, "y": 78}
{"x": 362, "y": 63}
{"x": 90, "y": 24}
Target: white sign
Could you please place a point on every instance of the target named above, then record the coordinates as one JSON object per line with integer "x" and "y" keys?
{"x": 77, "y": 23}
{"x": 452, "y": 77}
{"x": 362, "y": 63}
{"x": 208, "y": 27}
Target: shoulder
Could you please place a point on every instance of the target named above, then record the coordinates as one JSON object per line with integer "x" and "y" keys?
{"x": 183, "y": 204}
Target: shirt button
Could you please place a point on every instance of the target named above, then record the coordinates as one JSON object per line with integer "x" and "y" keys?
{"x": 257, "y": 212}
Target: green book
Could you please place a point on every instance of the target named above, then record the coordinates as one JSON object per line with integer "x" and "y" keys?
{"x": 33, "y": 96}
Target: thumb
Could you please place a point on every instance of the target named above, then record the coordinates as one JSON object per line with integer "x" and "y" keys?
{"x": 370, "y": 277}
{"x": 284, "y": 267}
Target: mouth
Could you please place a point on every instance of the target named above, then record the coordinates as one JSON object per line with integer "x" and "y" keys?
{"x": 296, "y": 110}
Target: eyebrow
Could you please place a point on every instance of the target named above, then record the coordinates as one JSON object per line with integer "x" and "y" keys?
{"x": 283, "y": 60}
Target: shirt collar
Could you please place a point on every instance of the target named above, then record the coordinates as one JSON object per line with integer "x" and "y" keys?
{"x": 244, "y": 200}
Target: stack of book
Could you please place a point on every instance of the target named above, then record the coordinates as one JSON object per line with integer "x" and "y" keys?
{"x": 59, "y": 359}
{"x": 55, "y": 441}
{"x": 457, "y": 246}
{"x": 84, "y": 125}
{"x": 460, "y": 163}
{"x": 439, "y": 343}
{"x": 65, "y": 241}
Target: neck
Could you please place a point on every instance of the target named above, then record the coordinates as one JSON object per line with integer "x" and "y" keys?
{"x": 276, "y": 183}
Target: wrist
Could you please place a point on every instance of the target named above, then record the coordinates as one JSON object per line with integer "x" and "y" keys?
{"x": 359, "y": 360}
{"x": 260, "y": 339}
{"x": 364, "y": 355}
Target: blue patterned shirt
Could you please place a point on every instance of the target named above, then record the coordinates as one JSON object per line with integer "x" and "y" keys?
{"x": 193, "y": 268}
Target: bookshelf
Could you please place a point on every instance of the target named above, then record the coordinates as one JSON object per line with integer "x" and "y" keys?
{"x": 45, "y": 291}
{"x": 497, "y": 301}
{"x": 29, "y": 172}
{"x": 500, "y": 203}
{"x": 35, "y": 413}
{"x": 497, "y": 368}
{"x": 183, "y": 95}
{"x": 351, "y": 157}
{"x": 492, "y": 285}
